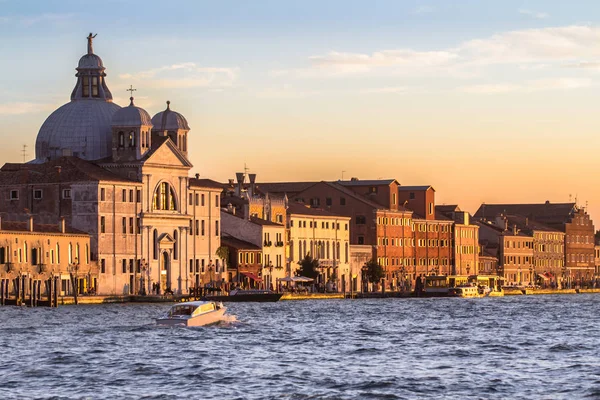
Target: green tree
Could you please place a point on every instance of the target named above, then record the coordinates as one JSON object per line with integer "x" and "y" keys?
{"x": 374, "y": 272}
{"x": 308, "y": 267}
{"x": 223, "y": 253}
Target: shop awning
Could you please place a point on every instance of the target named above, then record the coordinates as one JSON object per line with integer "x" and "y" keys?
{"x": 543, "y": 276}
{"x": 252, "y": 276}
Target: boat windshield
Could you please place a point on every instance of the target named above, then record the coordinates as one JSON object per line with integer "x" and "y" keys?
{"x": 181, "y": 310}
{"x": 204, "y": 308}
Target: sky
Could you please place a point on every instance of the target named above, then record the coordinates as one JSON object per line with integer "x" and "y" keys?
{"x": 486, "y": 101}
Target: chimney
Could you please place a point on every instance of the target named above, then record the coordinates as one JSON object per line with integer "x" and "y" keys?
{"x": 61, "y": 225}
{"x": 240, "y": 180}
{"x": 197, "y": 176}
{"x": 515, "y": 230}
{"x": 30, "y": 225}
{"x": 527, "y": 221}
{"x": 252, "y": 178}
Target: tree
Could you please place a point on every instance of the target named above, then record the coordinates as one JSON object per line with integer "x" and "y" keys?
{"x": 374, "y": 272}
{"x": 223, "y": 253}
{"x": 308, "y": 267}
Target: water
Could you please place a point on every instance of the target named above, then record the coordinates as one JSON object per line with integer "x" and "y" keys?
{"x": 493, "y": 348}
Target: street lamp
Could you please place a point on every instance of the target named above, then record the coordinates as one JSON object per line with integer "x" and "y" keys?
{"x": 269, "y": 267}
{"x": 143, "y": 267}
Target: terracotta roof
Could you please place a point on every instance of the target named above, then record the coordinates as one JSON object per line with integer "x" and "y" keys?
{"x": 17, "y": 226}
{"x": 260, "y": 221}
{"x": 371, "y": 182}
{"x": 237, "y": 243}
{"x": 447, "y": 209}
{"x": 205, "y": 183}
{"x": 283, "y": 187}
{"x": 301, "y": 209}
{"x": 547, "y": 213}
{"x": 414, "y": 188}
{"x": 339, "y": 187}
{"x": 72, "y": 169}
{"x": 528, "y": 224}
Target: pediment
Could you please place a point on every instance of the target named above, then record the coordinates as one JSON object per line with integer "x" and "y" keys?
{"x": 167, "y": 154}
{"x": 165, "y": 238}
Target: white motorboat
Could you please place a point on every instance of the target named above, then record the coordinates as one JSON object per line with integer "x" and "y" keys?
{"x": 193, "y": 313}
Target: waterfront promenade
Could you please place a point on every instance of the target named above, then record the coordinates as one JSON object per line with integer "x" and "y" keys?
{"x": 310, "y": 296}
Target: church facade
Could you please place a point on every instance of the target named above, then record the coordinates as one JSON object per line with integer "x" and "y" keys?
{"x": 122, "y": 177}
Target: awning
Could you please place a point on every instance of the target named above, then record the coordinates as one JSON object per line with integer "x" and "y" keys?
{"x": 252, "y": 276}
{"x": 543, "y": 276}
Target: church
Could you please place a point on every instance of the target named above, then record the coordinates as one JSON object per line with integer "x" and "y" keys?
{"x": 121, "y": 176}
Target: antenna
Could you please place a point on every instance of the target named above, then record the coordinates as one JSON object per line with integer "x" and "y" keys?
{"x": 24, "y": 153}
{"x": 343, "y": 175}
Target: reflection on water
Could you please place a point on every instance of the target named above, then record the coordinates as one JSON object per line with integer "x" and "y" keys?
{"x": 512, "y": 347}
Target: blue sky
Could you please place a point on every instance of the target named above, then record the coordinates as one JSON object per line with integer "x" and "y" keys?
{"x": 494, "y": 95}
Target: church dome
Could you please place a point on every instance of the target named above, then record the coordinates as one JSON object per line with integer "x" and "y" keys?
{"x": 131, "y": 116}
{"x": 82, "y": 127}
{"x": 90, "y": 61}
{"x": 169, "y": 120}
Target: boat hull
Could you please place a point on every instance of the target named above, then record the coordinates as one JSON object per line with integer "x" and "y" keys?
{"x": 261, "y": 297}
{"x": 201, "y": 320}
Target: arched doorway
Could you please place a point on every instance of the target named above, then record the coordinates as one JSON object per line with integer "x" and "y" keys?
{"x": 165, "y": 275}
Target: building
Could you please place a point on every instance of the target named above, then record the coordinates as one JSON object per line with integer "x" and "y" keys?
{"x": 465, "y": 239}
{"x": 245, "y": 263}
{"x": 324, "y": 236}
{"x": 122, "y": 177}
{"x": 568, "y": 218}
{"x": 267, "y": 235}
{"x": 32, "y": 253}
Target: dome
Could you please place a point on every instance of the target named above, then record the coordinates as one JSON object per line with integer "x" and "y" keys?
{"x": 169, "y": 120}
{"x": 90, "y": 61}
{"x": 80, "y": 128}
{"x": 131, "y": 116}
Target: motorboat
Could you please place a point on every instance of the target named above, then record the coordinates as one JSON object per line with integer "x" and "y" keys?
{"x": 251, "y": 295}
{"x": 465, "y": 291}
{"x": 193, "y": 313}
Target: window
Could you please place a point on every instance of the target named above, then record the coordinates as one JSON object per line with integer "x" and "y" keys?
{"x": 85, "y": 86}
{"x": 37, "y": 194}
{"x": 131, "y": 195}
{"x": 202, "y": 230}
{"x": 197, "y": 199}
{"x": 393, "y": 198}
{"x": 102, "y": 224}
{"x": 361, "y": 220}
{"x": 103, "y": 266}
{"x": 164, "y": 197}
{"x": 373, "y": 189}
{"x": 175, "y": 249}
{"x": 191, "y": 201}
{"x": 216, "y": 228}
{"x": 411, "y": 195}
{"x": 315, "y": 202}
{"x": 328, "y": 201}
{"x": 124, "y": 195}
{"x": 94, "y": 86}
{"x": 202, "y": 200}
{"x": 155, "y": 249}
{"x": 361, "y": 240}
{"x": 279, "y": 218}
{"x": 138, "y": 195}
{"x": 66, "y": 193}
{"x": 342, "y": 201}
{"x": 216, "y": 200}
{"x": 14, "y": 195}
{"x": 131, "y": 139}
{"x": 430, "y": 208}
{"x": 131, "y": 226}
{"x": 121, "y": 139}
{"x": 102, "y": 194}
{"x": 124, "y": 266}
{"x": 124, "y": 225}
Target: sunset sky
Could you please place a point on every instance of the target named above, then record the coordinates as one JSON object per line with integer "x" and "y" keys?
{"x": 486, "y": 101}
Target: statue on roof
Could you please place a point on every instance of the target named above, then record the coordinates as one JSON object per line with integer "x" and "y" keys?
{"x": 90, "y": 38}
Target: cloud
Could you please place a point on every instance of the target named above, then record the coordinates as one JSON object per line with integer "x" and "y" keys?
{"x": 537, "y": 48}
{"x": 30, "y": 20}
{"x": 185, "y": 75}
{"x": 533, "y": 14}
{"x": 19, "y": 108}
{"x": 529, "y": 87}
{"x": 424, "y": 10}
{"x": 390, "y": 89}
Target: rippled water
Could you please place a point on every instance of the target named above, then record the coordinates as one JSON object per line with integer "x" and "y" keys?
{"x": 512, "y": 347}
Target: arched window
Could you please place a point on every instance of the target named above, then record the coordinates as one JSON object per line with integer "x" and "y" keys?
{"x": 328, "y": 250}
{"x": 70, "y": 253}
{"x": 57, "y": 253}
{"x": 184, "y": 142}
{"x": 155, "y": 249}
{"x": 131, "y": 139}
{"x": 87, "y": 254}
{"x": 24, "y": 251}
{"x": 121, "y": 139}
{"x": 164, "y": 198}
{"x": 77, "y": 257}
{"x": 338, "y": 251}
{"x": 175, "y": 245}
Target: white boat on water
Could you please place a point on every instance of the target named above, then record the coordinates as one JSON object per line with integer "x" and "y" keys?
{"x": 193, "y": 313}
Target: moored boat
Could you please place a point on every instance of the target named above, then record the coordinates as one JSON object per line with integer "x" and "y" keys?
{"x": 253, "y": 295}
{"x": 193, "y": 313}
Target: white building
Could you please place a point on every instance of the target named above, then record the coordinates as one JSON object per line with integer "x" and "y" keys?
{"x": 324, "y": 236}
